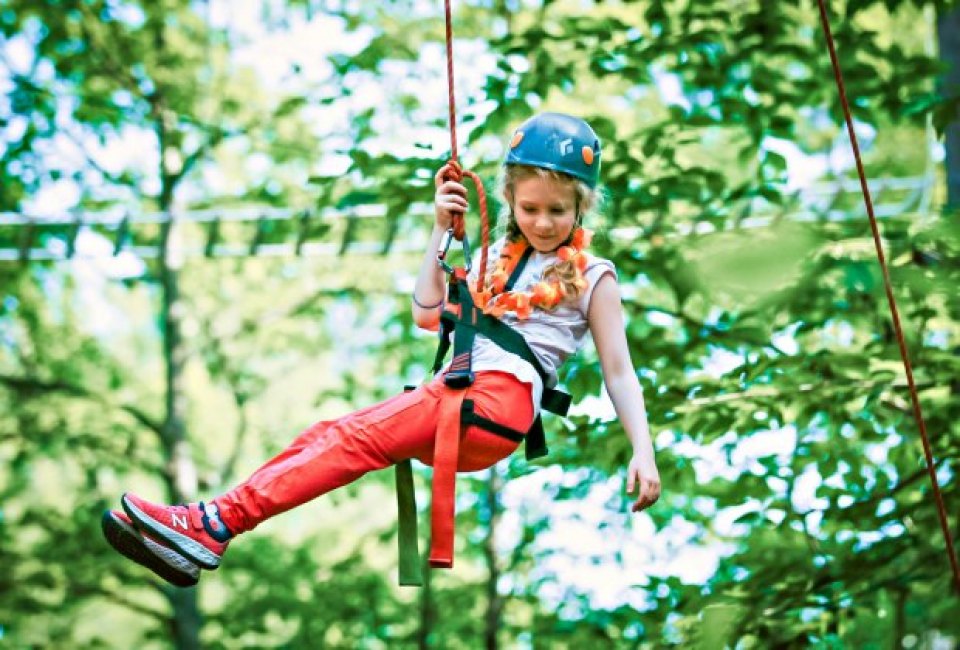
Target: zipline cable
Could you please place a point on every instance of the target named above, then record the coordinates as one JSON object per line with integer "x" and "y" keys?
{"x": 888, "y": 285}
{"x": 453, "y": 170}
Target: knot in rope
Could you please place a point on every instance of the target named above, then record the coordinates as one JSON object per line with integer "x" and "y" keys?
{"x": 453, "y": 171}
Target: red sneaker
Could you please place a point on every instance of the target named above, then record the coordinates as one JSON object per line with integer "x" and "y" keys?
{"x": 162, "y": 560}
{"x": 194, "y": 529}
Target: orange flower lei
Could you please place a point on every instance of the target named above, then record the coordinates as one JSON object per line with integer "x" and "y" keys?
{"x": 545, "y": 294}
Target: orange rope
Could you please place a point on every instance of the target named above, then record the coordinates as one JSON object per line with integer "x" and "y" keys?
{"x": 453, "y": 170}
{"x": 904, "y": 355}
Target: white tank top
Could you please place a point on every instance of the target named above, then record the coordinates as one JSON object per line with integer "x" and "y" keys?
{"x": 552, "y": 335}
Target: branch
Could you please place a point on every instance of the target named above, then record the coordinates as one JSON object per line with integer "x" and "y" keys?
{"x": 690, "y": 320}
{"x": 771, "y": 391}
{"x": 129, "y": 604}
{"x": 114, "y": 68}
{"x": 239, "y": 398}
{"x": 27, "y": 385}
{"x": 277, "y": 315}
{"x": 198, "y": 153}
{"x": 113, "y": 178}
{"x": 226, "y": 472}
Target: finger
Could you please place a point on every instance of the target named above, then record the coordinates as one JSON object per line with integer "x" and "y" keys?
{"x": 454, "y": 207}
{"x": 654, "y": 491}
{"x": 631, "y": 483}
{"x": 647, "y": 497}
{"x": 644, "y": 504}
{"x": 443, "y": 174}
{"x": 453, "y": 187}
{"x": 453, "y": 198}
{"x": 651, "y": 492}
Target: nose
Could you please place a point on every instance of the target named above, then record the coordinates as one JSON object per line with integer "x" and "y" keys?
{"x": 543, "y": 223}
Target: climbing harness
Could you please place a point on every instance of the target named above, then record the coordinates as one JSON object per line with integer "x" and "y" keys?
{"x": 460, "y": 322}
{"x": 894, "y": 312}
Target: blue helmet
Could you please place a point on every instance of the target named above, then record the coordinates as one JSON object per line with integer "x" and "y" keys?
{"x": 559, "y": 142}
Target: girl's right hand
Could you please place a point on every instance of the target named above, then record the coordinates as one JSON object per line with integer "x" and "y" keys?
{"x": 450, "y": 198}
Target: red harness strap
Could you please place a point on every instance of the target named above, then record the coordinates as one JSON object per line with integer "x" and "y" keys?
{"x": 445, "y": 456}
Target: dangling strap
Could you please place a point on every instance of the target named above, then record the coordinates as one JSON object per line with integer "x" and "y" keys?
{"x": 410, "y": 573}
{"x": 535, "y": 445}
{"x": 409, "y": 553}
{"x": 445, "y": 455}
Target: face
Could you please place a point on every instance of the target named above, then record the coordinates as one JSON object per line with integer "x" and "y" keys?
{"x": 545, "y": 210}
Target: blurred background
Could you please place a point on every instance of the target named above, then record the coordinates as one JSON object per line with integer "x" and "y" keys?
{"x": 211, "y": 214}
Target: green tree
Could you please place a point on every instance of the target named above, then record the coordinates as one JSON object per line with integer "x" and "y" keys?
{"x": 835, "y": 541}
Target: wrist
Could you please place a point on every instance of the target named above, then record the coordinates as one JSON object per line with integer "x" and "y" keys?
{"x": 438, "y": 304}
{"x": 642, "y": 446}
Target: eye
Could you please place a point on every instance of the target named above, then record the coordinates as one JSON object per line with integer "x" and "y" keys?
{"x": 557, "y": 209}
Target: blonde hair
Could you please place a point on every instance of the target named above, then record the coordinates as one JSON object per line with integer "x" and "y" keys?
{"x": 570, "y": 280}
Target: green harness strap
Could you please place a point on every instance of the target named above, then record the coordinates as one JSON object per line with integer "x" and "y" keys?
{"x": 410, "y": 572}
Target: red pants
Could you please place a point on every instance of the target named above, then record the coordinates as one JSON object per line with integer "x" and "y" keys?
{"x": 337, "y": 452}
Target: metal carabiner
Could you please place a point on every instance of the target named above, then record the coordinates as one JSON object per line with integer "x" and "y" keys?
{"x": 444, "y": 248}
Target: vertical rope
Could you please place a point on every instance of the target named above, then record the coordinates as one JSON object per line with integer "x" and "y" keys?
{"x": 451, "y": 97}
{"x": 454, "y": 170}
{"x": 894, "y": 312}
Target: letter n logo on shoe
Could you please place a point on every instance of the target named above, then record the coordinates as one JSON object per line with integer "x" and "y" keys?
{"x": 179, "y": 521}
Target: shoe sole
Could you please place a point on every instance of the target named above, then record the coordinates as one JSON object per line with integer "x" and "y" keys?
{"x": 187, "y": 546}
{"x": 165, "y": 562}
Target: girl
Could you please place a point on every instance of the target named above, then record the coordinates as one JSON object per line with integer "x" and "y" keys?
{"x": 544, "y": 285}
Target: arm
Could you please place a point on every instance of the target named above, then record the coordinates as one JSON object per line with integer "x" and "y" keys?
{"x": 606, "y": 325}
{"x": 450, "y": 198}
{"x": 429, "y": 289}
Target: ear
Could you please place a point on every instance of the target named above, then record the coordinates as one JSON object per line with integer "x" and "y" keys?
{"x": 585, "y": 202}
{"x": 582, "y": 208}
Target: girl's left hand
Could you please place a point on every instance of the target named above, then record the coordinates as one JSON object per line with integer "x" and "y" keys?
{"x": 642, "y": 472}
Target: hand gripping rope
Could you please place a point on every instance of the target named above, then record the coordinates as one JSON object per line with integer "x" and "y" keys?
{"x": 904, "y": 355}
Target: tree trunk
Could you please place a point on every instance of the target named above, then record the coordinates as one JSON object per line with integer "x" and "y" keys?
{"x": 948, "y": 33}
{"x": 899, "y": 618}
{"x": 494, "y": 600}
{"x": 181, "y": 474}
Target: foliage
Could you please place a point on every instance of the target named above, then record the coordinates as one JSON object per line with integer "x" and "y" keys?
{"x": 772, "y": 377}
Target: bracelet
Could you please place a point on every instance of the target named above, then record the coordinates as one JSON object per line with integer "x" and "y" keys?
{"x": 423, "y": 306}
